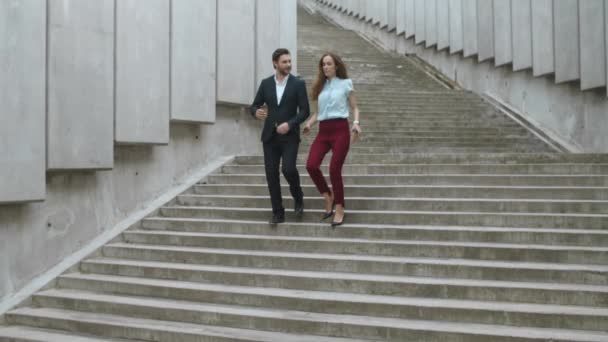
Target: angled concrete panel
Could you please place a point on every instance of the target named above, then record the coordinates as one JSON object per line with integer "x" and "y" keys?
{"x": 22, "y": 95}
{"x": 236, "y": 35}
{"x": 410, "y": 18}
{"x": 606, "y": 31}
{"x": 420, "y": 29}
{"x": 485, "y": 30}
{"x": 391, "y": 15}
{"x": 289, "y": 31}
{"x": 400, "y": 16}
{"x": 369, "y": 11}
{"x": 80, "y": 84}
{"x": 469, "y": 27}
{"x": 521, "y": 23}
{"x": 142, "y": 71}
{"x": 592, "y": 44}
{"x": 567, "y": 53}
{"x": 443, "y": 24}
{"x": 503, "y": 51}
{"x": 268, "y": 37}
{"x": 430, "y": 22}
{"x": 381, "y": 13}
{"x": 456, "y": 32}
{"x": 543, "y": 61}
{"x": 193, "y": 44}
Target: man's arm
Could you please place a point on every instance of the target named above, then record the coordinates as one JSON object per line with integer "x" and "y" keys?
{"x": 258, "y": 101}
{"x": 303, "y": 106}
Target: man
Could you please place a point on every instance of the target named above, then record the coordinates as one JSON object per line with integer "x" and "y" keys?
{"x": 282, "y": 102}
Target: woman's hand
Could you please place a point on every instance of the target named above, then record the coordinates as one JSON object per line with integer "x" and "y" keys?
{"x": 356, "y": 133}
{"x": 306, "y": 130}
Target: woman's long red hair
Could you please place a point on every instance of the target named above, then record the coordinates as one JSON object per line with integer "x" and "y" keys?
{"x": 317, "y": 86}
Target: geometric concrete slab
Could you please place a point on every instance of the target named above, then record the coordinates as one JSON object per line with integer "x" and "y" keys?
{"x": 392, "y": 15}
{"x": 543, "y": 59}
{"x": 430, "y": 22}
{"x": 592, "y": 43}
{"x": 443, "y": 24}
{"x": 80, "y": 85}
{"x": 522, "y": 34}
{"x": 502, "y": 32}
{"x": 193, "y": 28}
{"x": 268, "y": 38}
{"x": 456, "y": 32}
{"x": 469, "y": 19}
{"x": 567, "y": 61}
{"x": 420, "y": 21}
{"x": 400, "y": 16}
{"x": 485, "y": 29}
{"x": 142, "y": 71}
{"x": 410, "y": 18}
{"x": 289, "y": 31}
{"x": 22, "y": 99}
{"x": 236, "y": 35}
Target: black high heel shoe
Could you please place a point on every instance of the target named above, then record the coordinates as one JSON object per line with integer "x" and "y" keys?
{"x": 334, "y": 224}
{"x": 327, "y": 215}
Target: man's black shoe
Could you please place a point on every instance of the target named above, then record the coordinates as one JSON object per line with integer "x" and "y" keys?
{"x": 277, "y": 218}
{"x": 299, "y": 209}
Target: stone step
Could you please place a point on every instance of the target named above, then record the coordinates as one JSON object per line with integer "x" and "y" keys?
{"x": 246, "y": 309}
{"x": 462, "y": 158}
{"x": 397, "y": 140}
{"x": 151, "y": 330}
{"x": 435, "y": 218}
{"x": 29, "y": 334}
{"x": 371, "y": 264}
{"x": 408, "y": 204}
{"x": 430, "y": 179}
{"x": 423, "y": 287}
{"x": 429, "y": 191}
{"x": 446, "y": 147}
{"x": 399, "y": 248}
{"x": 426, "y": 169}
{"x": 386, "y": 329}
{"x": 549, "y": 236}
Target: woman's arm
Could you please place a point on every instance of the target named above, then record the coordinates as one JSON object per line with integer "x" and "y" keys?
{"x": 352, "y": 101}
{"x": 312, "y": 119}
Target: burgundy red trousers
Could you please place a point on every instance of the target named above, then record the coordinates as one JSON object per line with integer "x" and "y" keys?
{"x": 333, "y": 135}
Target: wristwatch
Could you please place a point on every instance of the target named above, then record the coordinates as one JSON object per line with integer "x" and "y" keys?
{"x": 356, "y": 122}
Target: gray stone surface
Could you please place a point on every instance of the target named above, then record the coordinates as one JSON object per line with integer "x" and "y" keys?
{"x": 606, "y": 22}
{"x": 456, "y": 29}
{"x": 235, "y": 36}
{"x": 193, "y": 41}
{"x": 503, "y": 42}
{"x": 543, "y": 57}
{"x": 289, "y": 30}
{"x": 469, "y": 27}
{"x": 485, "y": 30}
{"x": 430, "y": 22}
{"x": 420, "y": 21}
{"x": 443, "y": 24}
{"x": 566, "y": 33}
{"x": 22, "y": 101}
{"x": 268, "y": 37}
{"x": 592, "y": 43}
{"x": 522, "y": 34}
{"x": 80, "y": 84}
{"x": 142, "y": 72}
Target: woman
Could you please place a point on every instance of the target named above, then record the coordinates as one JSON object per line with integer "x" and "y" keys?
{"x": 335, "y": 97}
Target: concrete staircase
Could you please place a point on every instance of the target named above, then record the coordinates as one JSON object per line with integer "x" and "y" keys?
{"x": 461, "y": 226}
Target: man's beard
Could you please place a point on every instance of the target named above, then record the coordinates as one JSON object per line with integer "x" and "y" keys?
{"x": 285, "y": 71}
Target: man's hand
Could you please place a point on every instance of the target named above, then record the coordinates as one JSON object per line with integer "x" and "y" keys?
{"x": 262, "y": 113}
{"x": 306, "y": 130}
{"x": 283, "y": 128}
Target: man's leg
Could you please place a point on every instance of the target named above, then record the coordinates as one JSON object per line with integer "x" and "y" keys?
{"x": 290, "y": 171}
{"x": 272, "y": 160}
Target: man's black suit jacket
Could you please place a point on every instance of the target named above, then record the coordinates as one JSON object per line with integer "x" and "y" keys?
{"x": 293, "y": 109}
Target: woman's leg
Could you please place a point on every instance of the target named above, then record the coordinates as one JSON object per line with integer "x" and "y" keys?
{"x": 340, "y": 146}
{"x": 318, "y": 150}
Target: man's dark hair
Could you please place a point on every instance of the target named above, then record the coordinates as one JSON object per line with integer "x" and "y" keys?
{"x": 278, "y": 53}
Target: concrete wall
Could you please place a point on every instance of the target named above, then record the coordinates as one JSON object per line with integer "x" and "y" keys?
{"x": 22, "y": 100}
{"x": 80, "y": 206}
{"x": 116, "y": 76}
{"x": 578, "y": 119}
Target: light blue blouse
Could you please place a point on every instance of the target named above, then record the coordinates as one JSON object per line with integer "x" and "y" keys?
{"x": 333, "y": 100}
